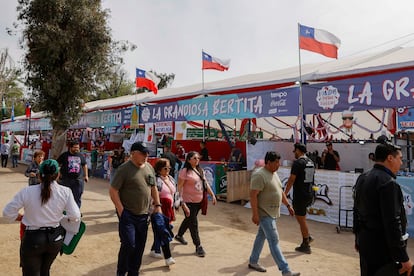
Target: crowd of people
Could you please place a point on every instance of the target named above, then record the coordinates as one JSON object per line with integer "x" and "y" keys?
{"x": 143, "y": 193}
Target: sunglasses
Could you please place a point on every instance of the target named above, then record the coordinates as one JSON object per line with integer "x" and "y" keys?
{"x": 349, "y": 118}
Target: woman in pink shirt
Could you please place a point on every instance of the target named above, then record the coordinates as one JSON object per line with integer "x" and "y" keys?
{"x": 190, "y": 186}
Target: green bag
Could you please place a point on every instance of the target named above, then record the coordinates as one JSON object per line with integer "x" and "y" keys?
{"x": 69, "y": 248}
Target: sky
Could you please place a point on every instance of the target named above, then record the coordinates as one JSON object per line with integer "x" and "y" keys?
{"x": 258, "y": 36}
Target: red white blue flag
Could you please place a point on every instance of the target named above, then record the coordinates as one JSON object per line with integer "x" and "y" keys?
{"x": 210, "y": 62}
{"x": 28, "y": 110}
{"x": 318, "y": 41}
{"x": 147, "y": 80}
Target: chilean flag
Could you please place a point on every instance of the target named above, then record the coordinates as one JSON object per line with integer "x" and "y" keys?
{"x": 210, "y": 62}
{"x": 28, "y": 110}
{"x": 318, "y": 41}
{"x": 147, "y": 79}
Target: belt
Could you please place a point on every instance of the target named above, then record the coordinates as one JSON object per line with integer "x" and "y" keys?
{"x": 34, "y": 228}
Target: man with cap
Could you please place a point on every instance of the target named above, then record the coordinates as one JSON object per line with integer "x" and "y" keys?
{"x": 302, "y": 179}
{"x": 131, "y": 191}
{"x": 330, "y": 157}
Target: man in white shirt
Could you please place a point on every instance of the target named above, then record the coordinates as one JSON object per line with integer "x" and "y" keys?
{"x": 5, "y": 151}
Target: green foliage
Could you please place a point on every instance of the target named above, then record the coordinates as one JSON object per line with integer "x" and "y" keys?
{"x": 68, "y": 48}
{"x": 10, "y": 87}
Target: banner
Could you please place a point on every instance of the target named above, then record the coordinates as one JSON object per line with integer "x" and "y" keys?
{"x": 369, "y": 92}
{"x": 405, "y": 118}
{"x": 277, "y": 102}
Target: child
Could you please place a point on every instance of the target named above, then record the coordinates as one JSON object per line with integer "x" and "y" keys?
{"x": 32, "y": 171}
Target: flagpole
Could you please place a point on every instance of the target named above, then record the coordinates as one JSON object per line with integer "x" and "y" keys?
{"x": 202, "y": 91}
{"x": 302, "y": 138}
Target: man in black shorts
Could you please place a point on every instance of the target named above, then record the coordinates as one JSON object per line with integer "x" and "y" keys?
{"x": 302, "y": 178}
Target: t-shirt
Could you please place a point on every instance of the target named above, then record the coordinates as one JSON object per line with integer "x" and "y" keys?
{"x": 71, "y": 165}
{"x": 204, "y": 154}
{"x": 15, "y": 149}
{"x": 330, "y": 162}
{"x": 134, "y": 186}
{"x": 304, "y": 170}
{"x": 270, "y": 196}
{"x": 193, "y": 186}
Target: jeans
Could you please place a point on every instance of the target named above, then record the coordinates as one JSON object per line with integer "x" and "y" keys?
{"x": 4, "y": 158}
{"x": 15, "y": 158}
{"x": 133, "y": 230}
{"x": 191, "y": 223}
{"x": 268, "y": 230}
{"x": 76, "y": 185}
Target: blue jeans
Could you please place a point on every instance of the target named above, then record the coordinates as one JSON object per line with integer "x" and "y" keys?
{"x": 76, "y": 185}
{"x": 15, "y": 158}
{"x": 133, "y": 231}
{"x": 268, "y": 230}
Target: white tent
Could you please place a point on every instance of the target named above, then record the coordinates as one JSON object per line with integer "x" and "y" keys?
{"x": 397, "y": 59}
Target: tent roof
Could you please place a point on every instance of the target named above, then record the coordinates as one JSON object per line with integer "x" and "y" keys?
{"x": 390, "y": 60}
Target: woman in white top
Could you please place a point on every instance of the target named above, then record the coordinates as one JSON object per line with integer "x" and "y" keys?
{"x": 44, "y": 206}
{"x": 166, "y": 189}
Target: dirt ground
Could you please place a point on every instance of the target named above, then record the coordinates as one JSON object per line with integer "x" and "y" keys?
{"x": 227, "y": 235}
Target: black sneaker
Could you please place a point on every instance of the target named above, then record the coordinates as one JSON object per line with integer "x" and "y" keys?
{"x": 304, "y": 249}
{"x": 200, "y": 251}
{"x": 310, "y": 239}
{"x": 180, "y": 240}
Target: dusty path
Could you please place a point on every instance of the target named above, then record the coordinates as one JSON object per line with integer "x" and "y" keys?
{"x": 226, "y": 232}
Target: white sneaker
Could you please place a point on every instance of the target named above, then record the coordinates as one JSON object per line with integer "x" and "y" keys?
{"x": 155, "y": 254}
{"x": 169, "y": 261}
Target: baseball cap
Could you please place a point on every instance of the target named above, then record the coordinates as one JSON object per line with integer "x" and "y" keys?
{"x": 50, "y": 166}
{"x": 138, "y": 146}
{"x": 300, "y": 147}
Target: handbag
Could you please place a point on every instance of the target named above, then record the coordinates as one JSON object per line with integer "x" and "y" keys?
{"x": 69, "y": 247}
{"x": 204, "y": 201}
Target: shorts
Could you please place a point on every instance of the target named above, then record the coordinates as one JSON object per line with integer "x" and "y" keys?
{"x": 300, "y": 205}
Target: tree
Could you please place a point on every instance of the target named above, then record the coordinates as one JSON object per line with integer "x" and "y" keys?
{"x": 9, "y": 85}
{"x": 68, "y": 49}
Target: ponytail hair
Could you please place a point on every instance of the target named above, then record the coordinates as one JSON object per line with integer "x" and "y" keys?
{"x": 49, "y": 171}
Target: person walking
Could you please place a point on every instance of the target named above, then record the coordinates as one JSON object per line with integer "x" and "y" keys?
{"x": 32, "y": 171}
{"x": 131, "y": 191}
{"x": 191, "y": 183}
{"x": 44, "y": 206}
{"x": 330, "y": 158}
{"x": 266, "y": 196}
{"x": 5, "y": 152}
{"x": 94, "y": 160}
{"x": 74, "y": 170}
{"x": 379, "y": 218}
{"x": 174, "y": 160}
{"x": 301, "y": 177}
{"x": 166, "y": 188}
{"x": 15, "y": 153}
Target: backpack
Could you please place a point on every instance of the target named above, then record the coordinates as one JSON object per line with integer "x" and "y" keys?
{"x": 116, "y": 162}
